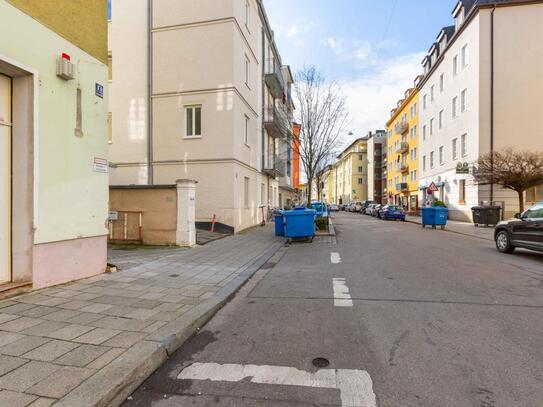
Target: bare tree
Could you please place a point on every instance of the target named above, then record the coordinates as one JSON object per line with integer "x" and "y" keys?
{"x": 322, "y": 114}
{"x": 515, "y": 170}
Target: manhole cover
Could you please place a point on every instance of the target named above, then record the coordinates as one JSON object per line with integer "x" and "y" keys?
{"x": 320, "y": 362}
{"x": 174, "y": 275}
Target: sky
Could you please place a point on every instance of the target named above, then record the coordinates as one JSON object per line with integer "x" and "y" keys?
{"x": 373, "y": 48}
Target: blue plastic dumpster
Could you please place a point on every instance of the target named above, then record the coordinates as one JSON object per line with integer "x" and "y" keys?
{"x": 300, "y": 223}
{"x": 434, "y": 216}
{"x": 279, "y": 223}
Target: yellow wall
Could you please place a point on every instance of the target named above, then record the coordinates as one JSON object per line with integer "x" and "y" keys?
{"x": 346, "y": 174}
{"x": 392, "y": 159}
{"x": 82, "y": 22}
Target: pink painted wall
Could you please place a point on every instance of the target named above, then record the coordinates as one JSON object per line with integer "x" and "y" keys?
{"x": 68, "y": 260}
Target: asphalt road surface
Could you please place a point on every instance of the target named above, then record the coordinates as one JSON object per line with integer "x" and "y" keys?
{"x": 404, "y": 317}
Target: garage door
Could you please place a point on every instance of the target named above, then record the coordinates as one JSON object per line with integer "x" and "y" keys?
{"x": 5, "y": 178}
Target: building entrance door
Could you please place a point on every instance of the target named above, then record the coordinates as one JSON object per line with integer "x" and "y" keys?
{"x": 5, "y": 179}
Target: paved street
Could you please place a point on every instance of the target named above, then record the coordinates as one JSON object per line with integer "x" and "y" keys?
{"x": 405, "y": 317}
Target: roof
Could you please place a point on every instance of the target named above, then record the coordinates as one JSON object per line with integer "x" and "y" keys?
{"x": 352, "y": 144}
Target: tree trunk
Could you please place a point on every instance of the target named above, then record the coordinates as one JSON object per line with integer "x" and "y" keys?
{"x": 309, "y": 191}
{"x": 521, "y": 201}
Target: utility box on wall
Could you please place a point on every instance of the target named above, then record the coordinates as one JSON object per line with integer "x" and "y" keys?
{"x": 65, "y": 68}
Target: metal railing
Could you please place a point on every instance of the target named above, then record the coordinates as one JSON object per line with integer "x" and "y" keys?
{"x": 403, "y": 147}
{"x": 274, "y": 77}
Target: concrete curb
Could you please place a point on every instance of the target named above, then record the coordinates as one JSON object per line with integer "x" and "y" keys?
{"x": 454, "y": 231}
{"x": 115, "y": 382}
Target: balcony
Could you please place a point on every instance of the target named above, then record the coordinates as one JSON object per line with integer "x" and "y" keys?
{"x": 401, "y": 128}
{"x": 276, "y": 122}
{"x": 404, "y": 168}
{"x": 403, "y": 186}
{"x": 274, "y": 77}
{"x": 403, "y": 147}
{"x": 275, "y": 168}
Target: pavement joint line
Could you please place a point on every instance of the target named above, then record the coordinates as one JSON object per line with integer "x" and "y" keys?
{"x": 444, "y": 302}
{"x": 355, "y": 386}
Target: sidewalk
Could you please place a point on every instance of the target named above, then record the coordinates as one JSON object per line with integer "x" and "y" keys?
{"x": 92, "y": 342}
{"x": 463, "y": 228}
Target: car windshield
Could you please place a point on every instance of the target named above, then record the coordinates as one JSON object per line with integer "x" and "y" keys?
{"x": 535, "y": 211}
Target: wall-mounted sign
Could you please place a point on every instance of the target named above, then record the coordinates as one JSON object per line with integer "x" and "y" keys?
{"x": 99, "y": 90}
{"x": 113, "y": 215}
{"x": 462, "y": 168}
{"x": 100, "y": 165}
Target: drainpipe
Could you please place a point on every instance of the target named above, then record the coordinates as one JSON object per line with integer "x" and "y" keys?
{"x": 150, "y": 179}
{"x": 492, "y": 104}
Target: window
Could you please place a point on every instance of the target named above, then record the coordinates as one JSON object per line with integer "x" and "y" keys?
{"x": 432, "y": 93}
{"x": 361, "y": 157}
{"x": 247, "y": 13}
{"x": 109, "y": 10}
{"x": 441, "y": 155}
{"x": 455, "y": 149}
{"x": 360, "y": 169}
{"x": 441, "y": 83}
{"x": 455, "y": 65}
{"x": 360, "y": 181}
{"x": 194, "y": 121}
{"x": 413, "y": 110}
{"x": 247, "y": 70}
{"x": 423, "y": 132}
{"x": 464, "y": 55}
{"x": 454, "y": 103}
{"x": 246, "y": 192}
{"x": 423, "y": 163}
{"x": 463, "y": 145}
{"x": 110, "y": 67}
{"x": 414, "y": 132}
{"x": 431, "y": 159}
{"x": 424, "y": 102}
{"x": 414, "y": 154}
{"x": 535, "y": 212}
{"x": 463, "y": 100}
{"x": 441, "y": 119}
{"x": 431, "y": 127}
{"x": 462, "y": 192}
{"x": 110, "y": 127}
{"x": 246, "y": 131}
{"x": 534, "y": 194}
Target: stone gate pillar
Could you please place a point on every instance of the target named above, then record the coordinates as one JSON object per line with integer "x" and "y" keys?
{"x": 186, "y": 213}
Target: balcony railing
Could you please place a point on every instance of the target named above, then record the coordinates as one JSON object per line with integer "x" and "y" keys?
{"x": 401, "y": 127}
{"x": 403, "y": 186}
{"x": 403, "y": 147}
{"x": 404, "y": 168}
{"x": 274, "y": 77}
{"x": 275, "y": 167}
{"x": 276, "y": 122}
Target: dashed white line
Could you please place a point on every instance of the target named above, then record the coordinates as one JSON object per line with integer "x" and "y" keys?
{"x": 355, "y": 386}
{"x": 335, "y": 258}
{"x": 342, "y": 298}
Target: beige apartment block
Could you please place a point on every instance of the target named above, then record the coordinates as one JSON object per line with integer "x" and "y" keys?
{"x": 198, "y": 91}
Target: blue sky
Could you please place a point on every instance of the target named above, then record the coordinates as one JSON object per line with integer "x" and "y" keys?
{"x": 372, "y": 47}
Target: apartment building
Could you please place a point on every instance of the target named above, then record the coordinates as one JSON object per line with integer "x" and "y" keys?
{"x": 350, "y": 175}
{"x": 403, "y": 150}
{"x": 377, "y": 153}
{"x": 53, "y": 141}
{"x": 198, "y": 91}
{"x": 481, "y": 90}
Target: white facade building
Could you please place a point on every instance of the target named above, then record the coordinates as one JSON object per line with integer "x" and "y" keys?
{"x": 456, "y": 119}
{"x": 189, "y": 101}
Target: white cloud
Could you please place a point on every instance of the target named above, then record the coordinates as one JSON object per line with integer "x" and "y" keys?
{"x": 293, "y": 31}
{"x": 334, "y": 44}
{"x": 371, "y": 97}
{"x": 353, "y": 50}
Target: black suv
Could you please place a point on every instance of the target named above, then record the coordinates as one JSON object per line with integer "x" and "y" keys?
{"x": 525, "y": 230}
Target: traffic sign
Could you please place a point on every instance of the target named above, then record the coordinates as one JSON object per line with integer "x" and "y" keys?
{"x": 433, "y": 187}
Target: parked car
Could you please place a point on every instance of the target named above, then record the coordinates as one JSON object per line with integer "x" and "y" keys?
{"x": 356, "y": 206}
{"x": 392, "y": 212}
{"x": 333, "y": 207}
{"x": 369, "y": 209}
{"x": 375, "y": 210}
{"x": 365, "y": 205}
{"x": 524, "y": 230}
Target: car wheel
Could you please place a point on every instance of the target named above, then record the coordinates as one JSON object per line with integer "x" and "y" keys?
{"x": 503, "y": 242}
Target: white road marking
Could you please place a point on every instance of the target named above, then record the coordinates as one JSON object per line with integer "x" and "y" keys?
{"x": 335, "y": 258}
{"x": 355, "y": 386}
{"x": 342, "y": 298}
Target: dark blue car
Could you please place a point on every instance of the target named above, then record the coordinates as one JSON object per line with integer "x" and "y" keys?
{"x": 392, "y": 212}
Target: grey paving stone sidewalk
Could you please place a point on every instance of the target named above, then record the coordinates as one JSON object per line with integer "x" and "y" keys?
{"x": 70, "y": 345}
{"x": 463, "y": 228}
